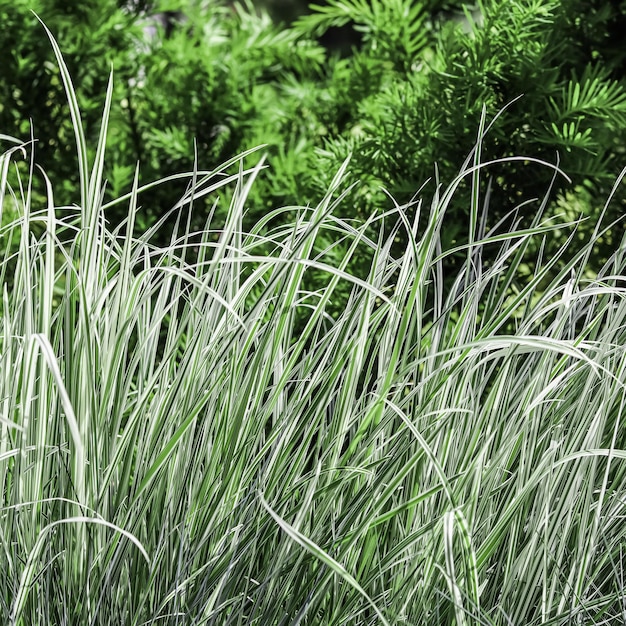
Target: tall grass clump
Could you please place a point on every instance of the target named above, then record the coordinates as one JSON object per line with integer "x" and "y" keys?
{"x": 188, "y": 436}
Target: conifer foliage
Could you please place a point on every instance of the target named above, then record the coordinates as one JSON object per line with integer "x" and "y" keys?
{"x": 405, "y": 101}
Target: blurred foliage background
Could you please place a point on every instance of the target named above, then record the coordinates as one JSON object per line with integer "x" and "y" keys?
{"x": 399, "y": 85}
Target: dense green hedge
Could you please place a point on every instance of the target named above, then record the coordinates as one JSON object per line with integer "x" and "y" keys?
{"x": 408, "y": 98}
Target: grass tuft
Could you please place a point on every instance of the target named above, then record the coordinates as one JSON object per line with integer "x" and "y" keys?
{"x": 190, "y": 435}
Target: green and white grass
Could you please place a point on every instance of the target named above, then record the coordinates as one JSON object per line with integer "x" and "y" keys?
{"x": 181, "y": 444}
